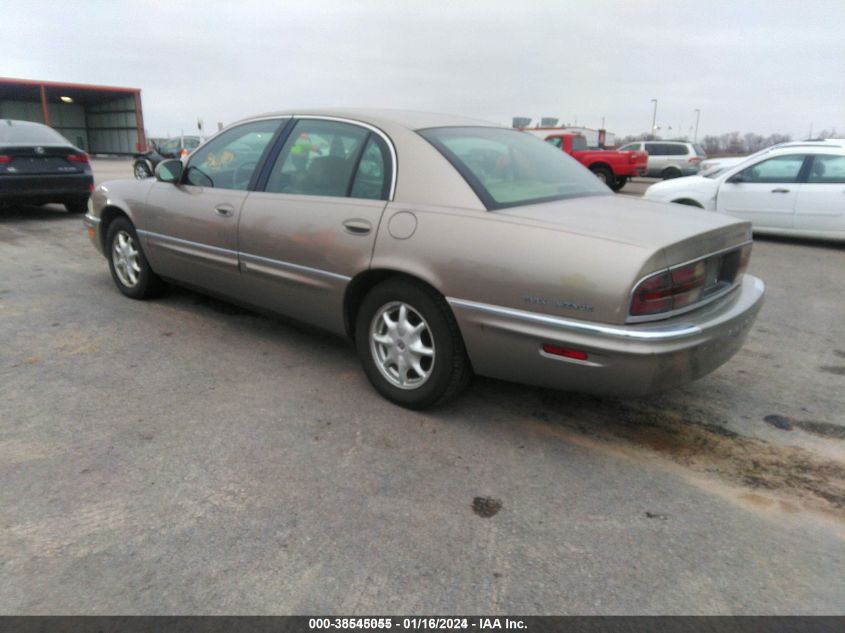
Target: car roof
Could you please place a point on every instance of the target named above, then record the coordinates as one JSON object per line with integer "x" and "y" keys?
{"x": 19, "y": 123}
{"x": 410, "y": 119}
{"x": 820, "y": 148}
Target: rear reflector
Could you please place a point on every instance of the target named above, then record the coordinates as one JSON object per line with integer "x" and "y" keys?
{"x": 77, "y": 158}
{"x": 577, "y": 354}
{"x": 5, "y": 159}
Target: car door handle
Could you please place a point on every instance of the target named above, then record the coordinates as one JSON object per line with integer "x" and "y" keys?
{"x": 780, "y": 190}
{"x": 357, "y": 227}
{"x": 224, "y": 209}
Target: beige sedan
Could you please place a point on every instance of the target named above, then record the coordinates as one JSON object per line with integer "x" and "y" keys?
{"x": 443, "y": 247}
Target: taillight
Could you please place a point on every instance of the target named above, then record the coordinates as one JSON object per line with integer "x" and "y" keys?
{"x": 184, "y": 152}
{"x": 666, "y": 291}
{"x": 653, "y": 295}
{"x": 77, "y": 158}
{"x": 695, "y": 160}
{"x": 5, "y": 159}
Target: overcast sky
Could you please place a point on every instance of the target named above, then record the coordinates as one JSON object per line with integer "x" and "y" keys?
{"x": 768, "y": 66}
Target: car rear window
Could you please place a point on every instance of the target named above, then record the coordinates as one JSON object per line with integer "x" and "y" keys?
{"x": 508, "y": 168}
{"x": 31, "y": 134}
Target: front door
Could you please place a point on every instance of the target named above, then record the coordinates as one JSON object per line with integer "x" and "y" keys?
{"x": 764, "y": 193}
{"x": 192, "y": 229}
{"x": 313, "y": 226}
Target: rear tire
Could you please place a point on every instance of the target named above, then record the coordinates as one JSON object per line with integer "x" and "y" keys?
{"x": 77, "y": 205}
{"x": 605, "y": 175}
{"x": 670, "y": 172}
{"x": 410, "y": 346}
{"x": 620, "y": 182}
{"x": 128, "y": 265}
{"x": 141, "y": 170}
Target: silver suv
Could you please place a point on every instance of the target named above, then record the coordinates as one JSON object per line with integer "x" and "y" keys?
{"x": 670, "y": 159}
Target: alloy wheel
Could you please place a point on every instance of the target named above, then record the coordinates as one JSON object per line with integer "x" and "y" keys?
{"x": 126, "y": 260}
{"x": 402, "y": 345}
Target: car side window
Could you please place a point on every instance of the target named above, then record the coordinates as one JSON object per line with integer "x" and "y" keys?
{"x": 629, "y": 147}
{"x": 655, "y": 149}
{"x": 228, "y": 161}
{"x": 827, "y": 169}
{"x": 371, "y": 178}
{"x": 579, "y": 143}
{"x": 778, "y": 169}
{"x": 678, "y": 150}
{"x": 318, "y": 159}
{"x": 554, "y": 141}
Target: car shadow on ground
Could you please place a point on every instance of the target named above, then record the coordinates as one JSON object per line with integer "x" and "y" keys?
{"x": 800, "y": 241}
{"x": 677, "y": 426}
{"x": 31, "y": 213}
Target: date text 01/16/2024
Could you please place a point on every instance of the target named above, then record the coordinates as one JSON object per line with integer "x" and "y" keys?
{"x": 419, "y": 623}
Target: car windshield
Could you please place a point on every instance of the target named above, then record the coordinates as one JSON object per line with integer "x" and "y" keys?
{"x": 29, "y": 134}
{"x": 508, "y": 168}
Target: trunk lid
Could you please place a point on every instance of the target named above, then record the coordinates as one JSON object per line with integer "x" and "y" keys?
{"x": 41, "y": 159}
{"x": 680, "y": 232}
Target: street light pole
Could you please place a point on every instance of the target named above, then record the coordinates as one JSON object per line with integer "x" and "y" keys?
{"x": 697, "y": 117}
{"x": 654, "y": 117}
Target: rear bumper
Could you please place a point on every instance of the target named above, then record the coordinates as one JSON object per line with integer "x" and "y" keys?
{"x": 623, "y": 360}
{"x": 46, "y": 187}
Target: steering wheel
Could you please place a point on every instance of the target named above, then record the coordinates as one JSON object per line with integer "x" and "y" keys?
{"x": 243, "y": 174}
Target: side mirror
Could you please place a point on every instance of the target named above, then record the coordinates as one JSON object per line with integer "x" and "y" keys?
{"x": 169, "y": 170}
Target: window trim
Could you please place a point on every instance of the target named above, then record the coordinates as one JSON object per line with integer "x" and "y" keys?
{"x": 490, "y": 203}
{"x": 800, "y": 177}
{"x": 391, "y": 149}
{"x": 259, "y": 166}
{"x": 809, "y": 167}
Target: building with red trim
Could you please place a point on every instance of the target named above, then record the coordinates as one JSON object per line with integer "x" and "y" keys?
{"x": 98, "y": 119}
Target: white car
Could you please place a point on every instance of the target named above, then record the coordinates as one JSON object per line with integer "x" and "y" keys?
{"x": 723, "y": 162}
{"x": 797, "y": 190}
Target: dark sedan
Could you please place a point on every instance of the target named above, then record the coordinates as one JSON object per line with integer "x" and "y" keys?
{"x": 145, "y": 163}
{"x": 39, "y": 165}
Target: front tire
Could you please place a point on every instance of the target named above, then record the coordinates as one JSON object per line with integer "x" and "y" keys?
{"x": 410, "y": 346}
{"x": 128, "y": 265}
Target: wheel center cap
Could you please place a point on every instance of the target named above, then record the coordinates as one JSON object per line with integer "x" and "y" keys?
{"x": 401, "y": 345}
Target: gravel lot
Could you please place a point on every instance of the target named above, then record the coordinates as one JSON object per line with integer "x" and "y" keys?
{"x": 187, "y": 456}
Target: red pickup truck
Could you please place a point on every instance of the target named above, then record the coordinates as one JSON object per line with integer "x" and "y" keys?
{"x": 612, "y": 168}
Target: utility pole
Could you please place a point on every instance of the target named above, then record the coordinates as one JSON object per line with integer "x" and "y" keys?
{"x": 654, "y": 117}
{"x": 697, "y": 117}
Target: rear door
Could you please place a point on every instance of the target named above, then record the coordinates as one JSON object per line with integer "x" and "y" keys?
{"x": 821, "y": 198}
{"x": 191, "y": 232}
{"x": 313, "y": 226}
{"x": 764, "y": 193}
